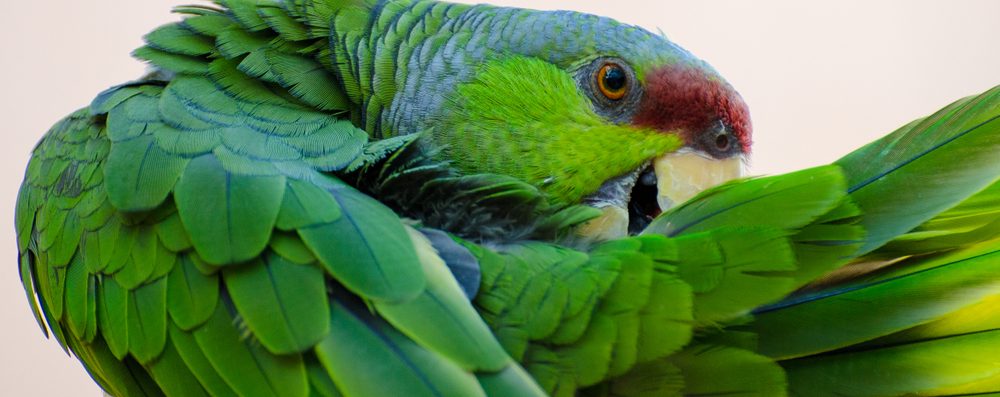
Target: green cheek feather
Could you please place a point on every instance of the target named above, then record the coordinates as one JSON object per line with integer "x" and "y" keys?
{"x": 527, "y": 118}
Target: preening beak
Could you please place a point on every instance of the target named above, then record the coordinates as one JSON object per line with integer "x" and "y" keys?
{"x": 683, "y": 174}
{"x": 629, "y": 203}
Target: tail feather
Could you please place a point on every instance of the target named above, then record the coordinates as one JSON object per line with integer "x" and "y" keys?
{"x": 917, "y": 311}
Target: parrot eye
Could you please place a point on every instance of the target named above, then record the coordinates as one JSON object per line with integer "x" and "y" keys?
{"x": 612, "y": 80}
{"x": 612, "y": 86}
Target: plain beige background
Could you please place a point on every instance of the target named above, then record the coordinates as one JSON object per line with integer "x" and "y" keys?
{"x": 821, "y": 79}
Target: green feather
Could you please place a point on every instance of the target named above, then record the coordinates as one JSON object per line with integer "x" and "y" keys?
{"x": 248, "y": 369}
{"x": 208, "y": 25}
{"x": 320, "y": 382}
{"x": 512, "y": 381}
{"x": 174, "y": 38}
{"x": 307, "y": 80}
{"x": 120, "y": 241}
{"x": 282, "y": 23}
{"x": 173, "y": 62}
{"x": 306, "y": 204}
{"x": 654, "y": 379}
{"x": 942, "y": 159}
{"x": 143, "y": 259}
{"x": 173, "y": 375}
{"x": 918, "y": 293}
{"x": 245, "y": 12}
{"x": 938, "y": 366}
{"x": 26, "y": 267}
{"x": 147, "y": 320}
{"x": 442, "y": 319}
{"x": 172, "y": 234}
{"x": 191, "y": 295}
{"x": 195, "y": 360}
{"x": 379, "y": 361}
{"x": 78, "y": 298}
{"x": 802, "y": 196}
{"x": 112, "y": 315}
{"x": 229, "y": 217}
{"x": 974, "y": 220}
{"x": 63, "y": 250}
{"x": 140, "y": 175}
{"x": 283, "y": 304}
{"x": 290, "y": 247}
{"x": 720, "y": 370}
{"x": 346, "y": 248}
{"x": 235, "y": 42}
{"x": 123, "y": 378}
{"x": 753, "y": 269}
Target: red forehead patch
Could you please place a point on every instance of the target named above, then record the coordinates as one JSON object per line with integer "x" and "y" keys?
{"x": 687, "y": 100}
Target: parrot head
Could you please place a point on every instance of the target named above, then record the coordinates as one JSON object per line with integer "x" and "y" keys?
{"x": 589, "y": 110}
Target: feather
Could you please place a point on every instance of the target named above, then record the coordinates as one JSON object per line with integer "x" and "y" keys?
{"x": 191, "y": 295}
{"x": 283, "y": 304}
{"x": 248, "y": 369}
{"x": 442, "y": 320}
{"x": 942, "y": 159}
{"x": 346, "y": 249}
{"x": 379, "y": 361}
{"x": 147, "y": 320}
{"x": 229, "y": 217}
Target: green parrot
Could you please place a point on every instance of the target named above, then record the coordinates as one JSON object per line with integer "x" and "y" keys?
{"x": 416, "y": 198}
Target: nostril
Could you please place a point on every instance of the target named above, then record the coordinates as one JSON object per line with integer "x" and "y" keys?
{"x": 722, "y": 142}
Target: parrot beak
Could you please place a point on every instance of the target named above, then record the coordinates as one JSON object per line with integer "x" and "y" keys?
{"x": 629, "y": 203}
{"x": 683, "y": 174}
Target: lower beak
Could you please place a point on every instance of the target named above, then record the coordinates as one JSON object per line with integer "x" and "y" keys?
{"x": 611, "y": 224}
{"x": 682, "y": 175}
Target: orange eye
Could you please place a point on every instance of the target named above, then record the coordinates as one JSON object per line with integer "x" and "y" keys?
{"x": 612, "y": 81}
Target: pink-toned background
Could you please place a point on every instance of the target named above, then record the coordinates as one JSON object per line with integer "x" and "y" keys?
{"x": 821, "y": 79}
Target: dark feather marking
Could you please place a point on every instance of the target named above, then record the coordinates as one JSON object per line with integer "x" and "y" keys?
{"x": 281, "y": 302}
{"x": 831, "y": 243}
{"x": 334, "y": 60}
{"x": 727, "y": 393}
{"x": 356, "y": 61}
{"x": 142, "y": 163}
{"x": 368, "y": 246}
{"x": 130, "y": 364}
{"x": 827, "y": 294}
{"x": 871, "y": 180}
{"x": 987, "y": 393}
{"x": 863, "y": 349}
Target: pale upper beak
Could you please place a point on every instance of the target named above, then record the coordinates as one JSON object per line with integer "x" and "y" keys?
{"x": 680, "y": 176}
{"x": 683, "y": 174}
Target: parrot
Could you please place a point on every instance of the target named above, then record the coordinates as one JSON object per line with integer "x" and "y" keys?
{"x": 418, "y": 198}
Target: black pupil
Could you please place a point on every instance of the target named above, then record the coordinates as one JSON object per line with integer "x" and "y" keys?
{"x": 614, "y": 79}
{"x": 722, "y": 142}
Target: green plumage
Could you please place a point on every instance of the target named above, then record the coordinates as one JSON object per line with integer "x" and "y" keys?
{"x": 253, "y": 219}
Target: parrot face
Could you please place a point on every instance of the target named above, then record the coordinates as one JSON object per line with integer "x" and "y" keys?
{"x": 605, "y": 114}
